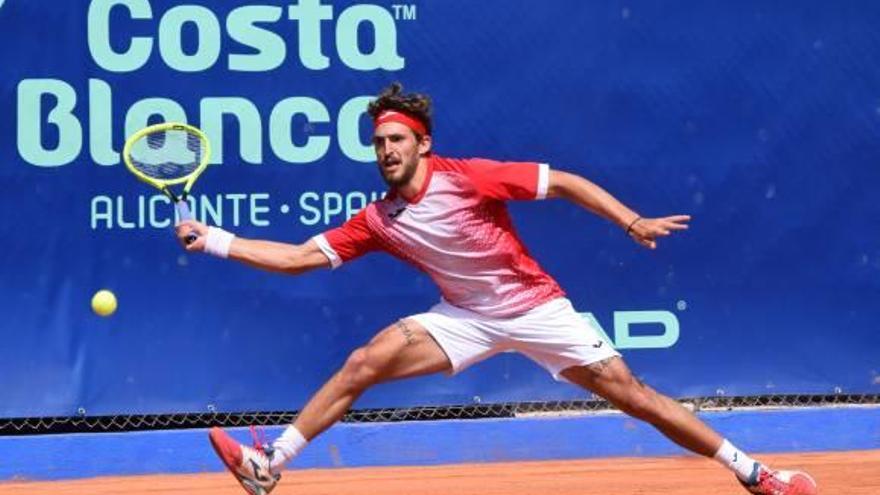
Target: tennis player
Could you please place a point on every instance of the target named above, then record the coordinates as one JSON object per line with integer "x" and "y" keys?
{"x": 447, "y": 217}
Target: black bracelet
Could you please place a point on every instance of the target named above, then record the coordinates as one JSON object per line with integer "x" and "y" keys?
{"x": 631, "y": 224}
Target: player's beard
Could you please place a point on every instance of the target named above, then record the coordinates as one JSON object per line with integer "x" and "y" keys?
{"x": 404, "y": 174}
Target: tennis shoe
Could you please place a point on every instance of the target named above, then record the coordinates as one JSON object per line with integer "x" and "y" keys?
{"x": 766, "y": 482}
{"x": 249, "y": 465}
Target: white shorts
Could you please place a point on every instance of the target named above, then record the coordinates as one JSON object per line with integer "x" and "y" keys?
{"x": 553, "y": 335}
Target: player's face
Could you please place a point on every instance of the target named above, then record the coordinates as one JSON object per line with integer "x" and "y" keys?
{"x": 398, "y": 151}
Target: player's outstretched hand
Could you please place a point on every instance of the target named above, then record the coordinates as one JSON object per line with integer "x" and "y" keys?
{"x": 185, "y": 227}
{"x": 645, "y": 231}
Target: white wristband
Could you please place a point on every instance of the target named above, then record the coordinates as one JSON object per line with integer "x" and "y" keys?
{"x": 217, "y": 242}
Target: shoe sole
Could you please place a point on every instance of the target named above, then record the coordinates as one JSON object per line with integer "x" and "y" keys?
{"x": 814, "y": 488}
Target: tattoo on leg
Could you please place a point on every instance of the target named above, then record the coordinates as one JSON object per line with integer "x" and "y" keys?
{"x": 407, "y": 332}
{"x": 596, "y": 369}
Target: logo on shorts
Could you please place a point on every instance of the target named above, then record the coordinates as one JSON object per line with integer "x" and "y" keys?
{"x": 396, "y": 213}
{"x": 596, "y": 346}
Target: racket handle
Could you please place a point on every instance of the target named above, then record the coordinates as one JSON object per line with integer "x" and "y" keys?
{"x": 184, "y": 214}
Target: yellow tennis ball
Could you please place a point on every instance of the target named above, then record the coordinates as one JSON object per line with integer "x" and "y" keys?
{"x": 103, "y": 303}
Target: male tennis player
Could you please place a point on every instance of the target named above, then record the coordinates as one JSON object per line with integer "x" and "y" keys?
{"x": 448, "y": 217}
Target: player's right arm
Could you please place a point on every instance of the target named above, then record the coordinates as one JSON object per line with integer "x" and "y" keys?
{"x": 330, "y": 249}
{"x": 272, "y": 256}
{"x": 292, "y": 259}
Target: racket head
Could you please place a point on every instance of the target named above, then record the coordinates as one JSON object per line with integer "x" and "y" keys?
{"x": 167, "y": 154}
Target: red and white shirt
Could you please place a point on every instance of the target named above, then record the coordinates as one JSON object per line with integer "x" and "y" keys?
{"x": 458, "y": 231}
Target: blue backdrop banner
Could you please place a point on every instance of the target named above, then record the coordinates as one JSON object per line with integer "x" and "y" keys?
{"x": 759, "y": 119}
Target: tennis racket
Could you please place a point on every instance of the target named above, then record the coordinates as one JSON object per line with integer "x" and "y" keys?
{"x": 169, "y": 154}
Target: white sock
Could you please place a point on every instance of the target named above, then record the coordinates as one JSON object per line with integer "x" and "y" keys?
{"x": 287, "y": 446}
{"x": 735, "y": 460}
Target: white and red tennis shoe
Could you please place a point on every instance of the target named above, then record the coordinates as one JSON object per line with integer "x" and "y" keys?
{"x": 766, "y": 482}
{"x": 249, "y": 465}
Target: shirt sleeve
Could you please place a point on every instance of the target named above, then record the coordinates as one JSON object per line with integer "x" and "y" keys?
{"x": 509, "y": 180}
{"x": 348, "y": 241}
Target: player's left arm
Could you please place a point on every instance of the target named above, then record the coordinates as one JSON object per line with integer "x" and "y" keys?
{"x": 581, "y": 191}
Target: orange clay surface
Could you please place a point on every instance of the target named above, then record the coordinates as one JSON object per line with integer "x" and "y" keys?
{"x": 838, "y": 473}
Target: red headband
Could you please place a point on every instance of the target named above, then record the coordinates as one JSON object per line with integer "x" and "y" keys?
{"x": 393, "y": 116}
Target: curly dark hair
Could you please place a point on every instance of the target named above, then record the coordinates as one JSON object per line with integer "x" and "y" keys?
{"x": 415, "y": 105}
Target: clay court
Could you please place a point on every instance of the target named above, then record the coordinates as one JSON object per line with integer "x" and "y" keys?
{"x": 838, "y": 473}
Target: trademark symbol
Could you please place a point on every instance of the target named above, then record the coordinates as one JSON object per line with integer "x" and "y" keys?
{"x": 404, "y": 12}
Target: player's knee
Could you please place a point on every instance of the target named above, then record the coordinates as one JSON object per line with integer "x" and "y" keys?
{"x": 359, "y": 372}
{"x": 641, "y": 402}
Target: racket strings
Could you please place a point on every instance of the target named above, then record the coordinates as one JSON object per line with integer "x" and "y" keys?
{"x": 168, "y": 155}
